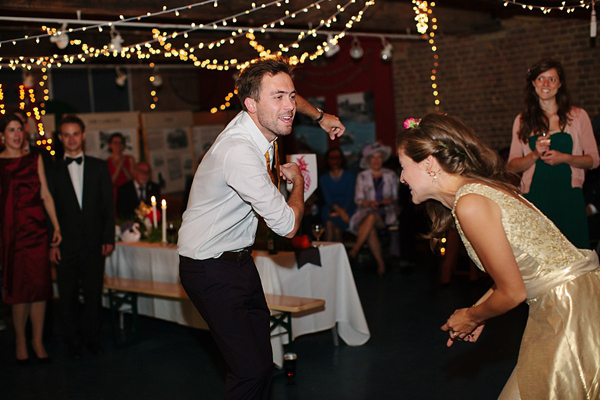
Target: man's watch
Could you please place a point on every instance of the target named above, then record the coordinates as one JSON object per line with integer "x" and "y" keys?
{"x": 321, "y": 114}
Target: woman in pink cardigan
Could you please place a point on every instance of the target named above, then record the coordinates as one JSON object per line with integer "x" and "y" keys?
{"x": 552, "y": 145}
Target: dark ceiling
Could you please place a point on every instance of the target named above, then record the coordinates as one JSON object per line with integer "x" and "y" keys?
{"x": 394, "y": 19}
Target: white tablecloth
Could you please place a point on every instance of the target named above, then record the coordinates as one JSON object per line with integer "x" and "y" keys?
{"x": 333, "y": 282}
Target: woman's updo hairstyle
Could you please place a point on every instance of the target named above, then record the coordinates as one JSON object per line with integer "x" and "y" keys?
{"x": 459, "y": 151}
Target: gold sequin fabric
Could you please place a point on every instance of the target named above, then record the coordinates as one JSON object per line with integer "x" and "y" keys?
{"x": 560, "y": 350}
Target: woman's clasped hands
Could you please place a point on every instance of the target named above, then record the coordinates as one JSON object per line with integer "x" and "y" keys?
{"x": 462, "y": 327}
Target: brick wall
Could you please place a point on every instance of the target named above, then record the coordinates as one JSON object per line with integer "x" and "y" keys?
{"x": 481, "y": 77}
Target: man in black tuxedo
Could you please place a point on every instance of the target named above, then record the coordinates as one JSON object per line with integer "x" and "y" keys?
{"x": 140, "y": 188}
{"x": 83, "y": 195}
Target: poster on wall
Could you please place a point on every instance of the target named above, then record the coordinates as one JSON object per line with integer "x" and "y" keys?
{"x": 204, "y": 136}
{"x": 100, "y": 126}
{"x": 308, "y": 167}
{"x": 168, "y": 147}
{"x": 356, "y": 111}
{"x": 308, "y": 135}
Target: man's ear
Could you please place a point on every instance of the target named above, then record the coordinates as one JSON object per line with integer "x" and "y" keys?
{"x": 250, "y": 104}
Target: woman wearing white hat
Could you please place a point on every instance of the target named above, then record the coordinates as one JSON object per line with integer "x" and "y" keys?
{"x": 376, "y": 197}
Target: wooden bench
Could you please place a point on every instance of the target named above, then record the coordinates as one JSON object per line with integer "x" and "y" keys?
{"x": 124, "y": 291}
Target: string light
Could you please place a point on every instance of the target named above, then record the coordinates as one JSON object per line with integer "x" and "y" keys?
{"x": 145, "y": 50}
{"x": 443, "y": 246}
{"x": 2, "y": 109}
{"x": 424, "y": 11}
{"x": 568, "y": 6}
{"x": 121, "y": 21}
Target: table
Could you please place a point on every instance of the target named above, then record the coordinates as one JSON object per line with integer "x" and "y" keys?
{"x": 333, "y": 282}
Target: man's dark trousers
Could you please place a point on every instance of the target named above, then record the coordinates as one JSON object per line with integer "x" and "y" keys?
{"x": 229, "y": 296}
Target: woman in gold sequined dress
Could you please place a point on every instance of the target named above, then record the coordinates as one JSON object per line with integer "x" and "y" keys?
{"x": 465, "y": 183}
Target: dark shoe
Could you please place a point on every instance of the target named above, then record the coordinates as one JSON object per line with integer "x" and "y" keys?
{"x": 23, "y": 363}
{"x": 95, "y": 348}
{"x": 75, "y": 351}
{"x": 45, "y": 360}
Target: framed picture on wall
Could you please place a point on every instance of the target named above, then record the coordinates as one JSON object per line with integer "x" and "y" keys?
{"x": 168, "y": 148}
{"x": 356, "y": 111}
{"x": 100, "y": 126}
{"x": 308, "y": 135}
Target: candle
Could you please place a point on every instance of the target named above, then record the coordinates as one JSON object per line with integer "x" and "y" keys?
{"x": 153, "y": 201}
{"x": 164, "y": 220}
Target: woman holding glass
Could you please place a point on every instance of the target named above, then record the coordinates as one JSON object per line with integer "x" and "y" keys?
{"x": 24, "y": 196}
{"x": 376, "y": 196}
{"x": 552, "y": 145}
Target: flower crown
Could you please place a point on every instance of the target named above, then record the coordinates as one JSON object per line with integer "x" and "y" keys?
{"x": 411, "y": 123}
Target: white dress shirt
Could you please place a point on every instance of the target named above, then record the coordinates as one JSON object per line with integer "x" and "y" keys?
{"x": 231, "y": 186}
{"x": 76, "y": 174}
{"x": 140, "y": 196}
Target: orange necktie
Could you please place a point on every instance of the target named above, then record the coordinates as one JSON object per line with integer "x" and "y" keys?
{"x": 273, "y": 172}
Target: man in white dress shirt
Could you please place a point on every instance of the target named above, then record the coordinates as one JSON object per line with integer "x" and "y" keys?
{"x": 231, "y": 189}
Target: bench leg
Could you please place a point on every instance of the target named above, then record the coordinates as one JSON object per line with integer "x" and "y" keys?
{"x": 284, "y": 320}
{"x": 116, "y": 301}
{"x": 334, "y": 333}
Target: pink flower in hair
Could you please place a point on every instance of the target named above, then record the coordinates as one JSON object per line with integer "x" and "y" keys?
{"x": 411, "y": 123}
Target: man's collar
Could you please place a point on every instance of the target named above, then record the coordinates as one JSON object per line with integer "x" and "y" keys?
{"x": 259, "y": 138}
{"x": 80, "y": 154}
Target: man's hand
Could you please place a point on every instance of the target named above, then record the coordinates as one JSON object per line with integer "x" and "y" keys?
{"x": 55, "y": 255}
{"x": 291, "y": 173}
{"x": 107, "y": 249}
{"x": 332, "y": 125}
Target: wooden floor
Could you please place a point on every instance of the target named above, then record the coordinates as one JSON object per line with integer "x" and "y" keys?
{"x": 406, "y": 357}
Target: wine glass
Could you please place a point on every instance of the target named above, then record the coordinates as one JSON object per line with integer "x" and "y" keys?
{"x": 171, "y": 231}
{"x": 545, "y": 141}
{"x": 317, "y": 231}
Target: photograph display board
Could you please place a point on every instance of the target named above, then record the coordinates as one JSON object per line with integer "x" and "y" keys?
{"x": 207, "y": 127}
{"x": 308, "y": 134}
{"x": 356, "y": 111}
{"x": 167, "y": 137}
{"x": 99, "y": 127}
{"x": 204, "y": 136}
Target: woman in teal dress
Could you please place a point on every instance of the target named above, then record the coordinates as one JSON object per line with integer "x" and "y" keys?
{"x": 552, "y": 145}
{"x": 337, "y": 187}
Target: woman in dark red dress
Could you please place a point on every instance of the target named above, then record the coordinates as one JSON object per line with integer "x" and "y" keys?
{"x": 27, "y": 281}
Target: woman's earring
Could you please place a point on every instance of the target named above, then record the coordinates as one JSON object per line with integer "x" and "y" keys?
{"x": 2, "y": 140}
{"x": 432, "y": 174}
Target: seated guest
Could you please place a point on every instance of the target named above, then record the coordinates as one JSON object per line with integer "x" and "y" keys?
{"x": 376, "y": 195}
{"x": 139, "y": 189}
{"x": 337, "y": 186}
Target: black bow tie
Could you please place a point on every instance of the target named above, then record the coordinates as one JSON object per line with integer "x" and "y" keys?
{"x": 78, "y": 160}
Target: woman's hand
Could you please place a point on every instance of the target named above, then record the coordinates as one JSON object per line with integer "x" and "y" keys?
{"x": 56, "y": 238}
{"x": 554, "y": 157}
{"x": 340, "y": 212}
{"x": 370, "y": 204}
{"x": 461, "y": 326}
{"x": 542, "y": 145}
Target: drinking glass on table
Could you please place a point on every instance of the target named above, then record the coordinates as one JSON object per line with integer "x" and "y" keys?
{"x": 171, "y": 231}
{"x": 317, "y": 231}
